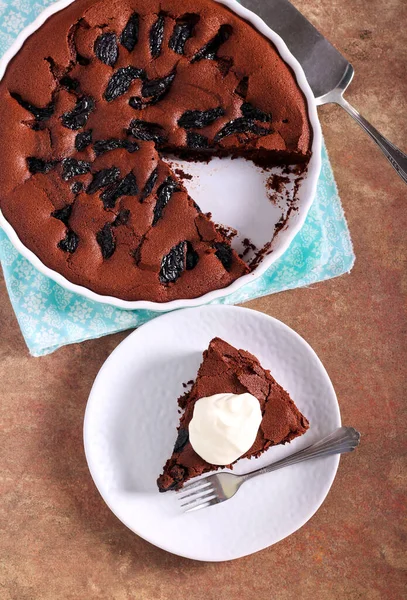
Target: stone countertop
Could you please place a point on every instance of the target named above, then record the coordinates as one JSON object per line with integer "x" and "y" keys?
{"x": 60, "y": 541}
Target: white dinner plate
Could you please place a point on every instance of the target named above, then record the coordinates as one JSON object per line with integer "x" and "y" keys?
{"x": 130, "y": 430}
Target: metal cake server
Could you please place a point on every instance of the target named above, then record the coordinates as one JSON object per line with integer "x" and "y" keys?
{"x": 328, "y": 72}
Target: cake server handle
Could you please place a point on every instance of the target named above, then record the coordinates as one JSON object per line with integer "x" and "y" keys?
{"x": 344, "y": 439}
{"x": 396, "y": 157}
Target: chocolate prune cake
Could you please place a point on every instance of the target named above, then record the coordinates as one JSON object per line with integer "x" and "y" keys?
{"x": 91, "y": 104}
{"x": 227, "y": 369}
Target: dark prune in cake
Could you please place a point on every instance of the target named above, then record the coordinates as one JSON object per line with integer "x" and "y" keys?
{"x": 225, "y": 254}
{"x": 251, "y": 112}
{"x": 69, "y": 243}
{"x": 164, "y": 193}
{"x": 121, "y": 81}
{"x": 83, "y": 140}
{"x": 63, "y": 214}
{"x": 106, "y": 241}
{"x": 173, "y": 264}
{"x": 157, "y": 36}
{"x": 130, "y": 33}
{"x": 102, "y": 146}
{"x": 147, "y": 131}
{"x": 38, "y": 165}
{"x": 183, "y": 30}
{"x": 102, "y": 179}
{"x": 149, "y": 186}
{"x": 241, "y": 125}
{"x": 77, "y": 118}
{"x": 209, "y": 51}
{"x": 124, "y": 187}
{"x": 106, "y": 48}
{"x": 71, "y": 167}
{"x": 197, "y": 141}
{"x": 198, "y": 119}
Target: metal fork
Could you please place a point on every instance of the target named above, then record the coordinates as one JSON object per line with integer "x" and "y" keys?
{"x": 222, "y": 486}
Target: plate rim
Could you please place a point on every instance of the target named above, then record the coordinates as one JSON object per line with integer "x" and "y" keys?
{"x": 91, "y": 400}
{"x": 313, "y": 167}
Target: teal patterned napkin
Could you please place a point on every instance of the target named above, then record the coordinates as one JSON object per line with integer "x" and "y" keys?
{"x": 51, "y": 317}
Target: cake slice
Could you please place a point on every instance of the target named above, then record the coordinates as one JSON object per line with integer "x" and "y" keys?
{"x": 227, "y": 370}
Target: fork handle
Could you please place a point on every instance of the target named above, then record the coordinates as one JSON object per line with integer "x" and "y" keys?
{"x": 344, "y": 439}
{"x": 396, "y": 157}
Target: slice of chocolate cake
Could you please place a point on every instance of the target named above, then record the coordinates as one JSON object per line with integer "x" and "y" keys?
{"x": 226, "y": 369}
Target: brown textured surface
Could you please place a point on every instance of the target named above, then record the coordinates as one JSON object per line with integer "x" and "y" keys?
{"x": 226, "y": 369}
{"x": 59, "y": 540}
{"x": 128, "y": 264}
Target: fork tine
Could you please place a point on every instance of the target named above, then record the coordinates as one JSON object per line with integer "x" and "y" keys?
{"x": 194, "y": 484}
{"x": 211, "y": 502}
{"x": 207, "y": 496}
{"x": 183, "y": 494}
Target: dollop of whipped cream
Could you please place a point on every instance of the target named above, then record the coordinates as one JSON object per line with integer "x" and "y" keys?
{"x": 224, "y": 427}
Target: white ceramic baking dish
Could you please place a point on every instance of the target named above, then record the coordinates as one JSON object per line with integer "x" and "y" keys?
{"x": 245, "y": 201}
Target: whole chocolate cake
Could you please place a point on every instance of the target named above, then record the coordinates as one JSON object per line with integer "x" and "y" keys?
{"x": 226, "y": 369}
{"x": 90, "y": 104}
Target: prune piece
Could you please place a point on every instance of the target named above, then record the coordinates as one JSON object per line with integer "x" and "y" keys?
{"x": 121, "y": 81}
{"x": 164, "y": 193}
{"x": 106, "y": 241}
{"x": 148, "y": 188}
{"x": 63, "y": 214}
{"x": 251, "y": 112}
{"x": 38, "y": 165}
{"x": 225, "y": 254}
{"x": 183, "y": 30}
{"x": 240, "y": 125}
{"x": 157, "y": 88}
{"x": 77, "y": 187}
{"x": 243, "y": 87}
{"x": 102, "y": 179}
{"x": 182, "y": 439}
{"x": 173, "y": 264}
{"x": 73, "y": 168}
{"x": 106, "y": 49}
{"x": 148, "y": 132}
{"x": 129, "y": 36}
{"x": 122, "y": 218}
{"x": 157, "y": 36}
{"x": 83, "y": 140}
{"x": 224, "y": 64}
{"x": 198, "y": 119}
{"x": 77, "y": 118}
{"x": 192, "y": 257}
{"x": 102, "y": 146}
{"x": 82, "y": 60}
{"x": 70, "y": 242}
{"x": 154, "y": 89}
{"x": 210, "y": 50}
{"x": 69, "y": 83}
{"x": 137, "y": 103}
{"x": 197, "y": 141}
{"x": 126, "y": 187}
{"x": 41, "y": 114}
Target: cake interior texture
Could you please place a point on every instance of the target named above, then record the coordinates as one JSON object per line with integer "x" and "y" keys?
{"x": 91, "y": 104}
{"x": 225, "y": 369}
